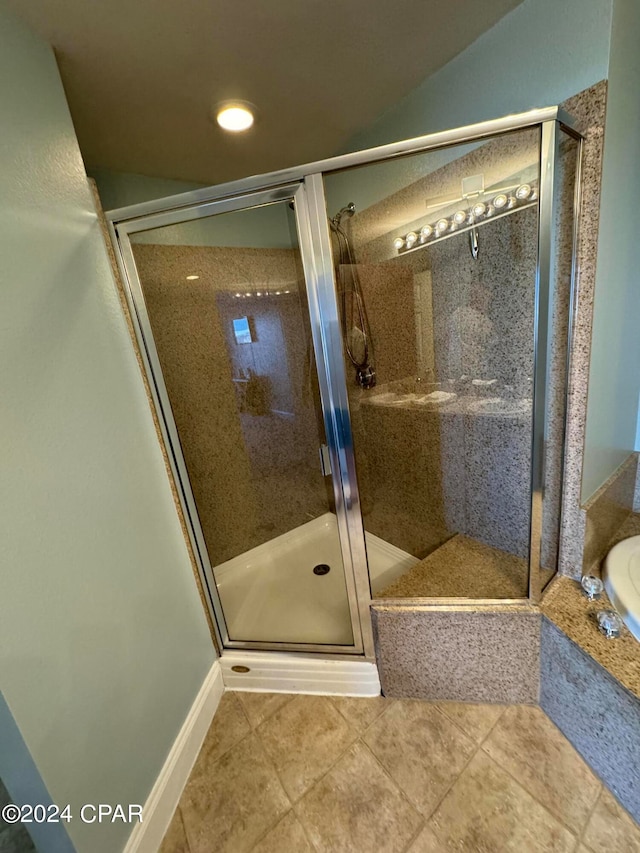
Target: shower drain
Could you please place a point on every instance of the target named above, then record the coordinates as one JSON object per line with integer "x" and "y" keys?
{"x": 321, "y": 569}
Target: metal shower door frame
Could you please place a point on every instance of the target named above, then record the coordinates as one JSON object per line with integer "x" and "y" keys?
{"x": 314, "y": 239}
{"x": 324, "y": 328}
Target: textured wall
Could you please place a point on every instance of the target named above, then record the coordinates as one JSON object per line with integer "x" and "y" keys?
{"x": 435, "y": 315}
{"x": 243, "y": 443}
{"x": 104, "y": 642}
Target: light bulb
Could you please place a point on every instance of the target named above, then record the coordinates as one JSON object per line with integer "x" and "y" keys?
{"x": 193, "y": 277}
{"x": 398, "y": 243}
{"x": 523, "y": 191}
{"x": 425, "y": 232}
{"x": 238, "y": 295}
{"x": 247, "y": 294}
{"x": 411, "y": 238}
{"x": 479, "y": 208}
{"x": 490, "y": 210}
{"x": 511, "y": 202}
{"x": 234, "y": 117}
{"x": 459, "y": 217}
{"x": 442, "y": 225}
{"x": 500, "y": 201}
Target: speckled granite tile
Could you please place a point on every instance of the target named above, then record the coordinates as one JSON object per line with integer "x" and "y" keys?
{"x": 588, "y": 108}
{"x": 608, "y": 509}
{"x": 591, "y": 708}
{"x": 568, "y": 608}
{"x": 557, "y": 366}
{"x": 463, "y": 568}
{"x": 227, "y": 433}
{"x": 459, "y": 655}
{"x": 497, "y": 483}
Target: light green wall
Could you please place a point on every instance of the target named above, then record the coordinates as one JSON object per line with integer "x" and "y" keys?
{"x": 120, "y": 189}
{"x": 539, "y": 54}
{"x": 614, "y": 377}
{"x": 536, "y": 56}
{"x": 257, "y": 228}
{"x": 103, "y": 643}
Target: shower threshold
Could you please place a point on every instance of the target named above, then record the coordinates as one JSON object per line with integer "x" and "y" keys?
{"x": 271, "y": 593}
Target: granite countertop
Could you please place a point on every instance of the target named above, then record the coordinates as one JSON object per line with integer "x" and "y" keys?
{"x": 567, "y": 607}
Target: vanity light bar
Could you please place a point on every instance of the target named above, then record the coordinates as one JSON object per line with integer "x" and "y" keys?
{"x": 479, "y": 212}
{"x": 261, "y": 293}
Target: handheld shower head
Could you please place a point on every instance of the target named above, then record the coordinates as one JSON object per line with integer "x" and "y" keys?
{"x": 347, "y": 210}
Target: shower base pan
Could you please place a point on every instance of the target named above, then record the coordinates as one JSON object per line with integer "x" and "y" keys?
{"x": 271, "y": 593}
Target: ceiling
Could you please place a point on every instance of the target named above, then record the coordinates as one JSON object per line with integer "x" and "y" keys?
{"x": 141, "y": 76}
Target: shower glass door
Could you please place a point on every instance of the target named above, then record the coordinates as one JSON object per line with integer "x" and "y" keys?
{"x": 234, "y": 344}
{"x": 436, "y": 264}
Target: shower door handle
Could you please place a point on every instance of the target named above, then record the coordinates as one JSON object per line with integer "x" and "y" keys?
{"x": 325, "y": 460}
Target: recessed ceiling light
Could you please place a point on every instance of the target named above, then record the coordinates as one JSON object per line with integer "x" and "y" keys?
{"x": 234, "y": 116}
{"x": 192, "y": 277}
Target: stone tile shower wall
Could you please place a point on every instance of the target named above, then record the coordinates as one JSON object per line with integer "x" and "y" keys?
{"x": 490, "y": 299}
{"x": 424, "y": 474}
{"x": 243, "y": 442}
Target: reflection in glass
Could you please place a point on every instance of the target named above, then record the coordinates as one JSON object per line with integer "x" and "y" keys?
{"x": 227, "y": 305}
{"x": 444, "y": 245}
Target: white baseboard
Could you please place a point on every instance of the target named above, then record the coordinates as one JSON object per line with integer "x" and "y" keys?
{"x": 277, "y": 672}
{"x": 165, "y": 794}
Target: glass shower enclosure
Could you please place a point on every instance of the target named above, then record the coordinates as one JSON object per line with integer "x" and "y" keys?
{"x": 360, "y": 372}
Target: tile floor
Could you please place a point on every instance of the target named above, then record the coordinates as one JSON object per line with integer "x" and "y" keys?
{"x": 297, "y": 774}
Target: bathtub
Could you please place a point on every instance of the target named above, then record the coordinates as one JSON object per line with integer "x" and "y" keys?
{"x": 622, "y": 581}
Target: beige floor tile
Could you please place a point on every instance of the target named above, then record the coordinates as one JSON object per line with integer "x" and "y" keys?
{"x": 303, "y": 739}
{"x": 356, "y": 807}
{"x": 228, "y": 727}
{"x": 360, "y": 713}
{"x": 287, "y": 837}
{"x": 230, "y": 803}
{"x": 527, "y": 745}
{"x": 175, "y": 840}
{"x": 427, "y": 842}
{"x": 611, "y": 828}
{"x": 486, "y": 810}
{"x": 260, "y": 706}
{"x": 474, "y": 720}
{"x": 422, "y": 750}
